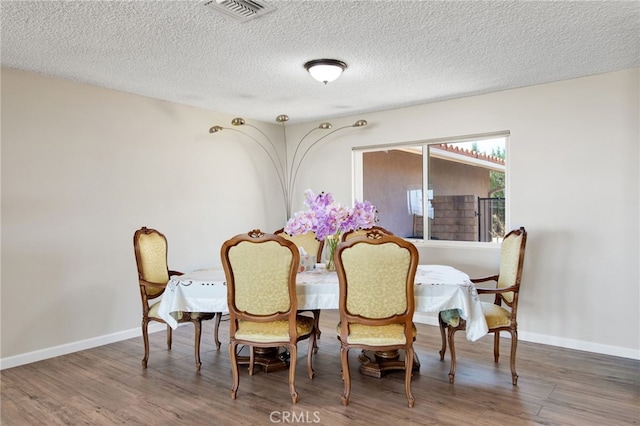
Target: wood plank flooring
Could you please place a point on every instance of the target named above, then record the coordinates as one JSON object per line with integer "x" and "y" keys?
{"x": 107, "y": 385}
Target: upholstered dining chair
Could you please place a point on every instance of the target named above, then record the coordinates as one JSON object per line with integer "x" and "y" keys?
{"x": 361, "y": 232}
{"x": 376, "y": 275}
{"x": 311, "y": 246}
{"x": 150, "y": 248}
{"x": 501, "y": 314}
{"x": 261, "y": 292}
{"x": 307, "y": 241}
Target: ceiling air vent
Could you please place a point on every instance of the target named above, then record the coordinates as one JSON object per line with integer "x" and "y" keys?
{"x": 240, "y": 10}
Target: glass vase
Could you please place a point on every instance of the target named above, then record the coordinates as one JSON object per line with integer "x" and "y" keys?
{"x": 330, "y": 243}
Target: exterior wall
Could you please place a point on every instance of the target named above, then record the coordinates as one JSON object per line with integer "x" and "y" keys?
{"x": 456, "y": 188}
{"x": 451, "y": 178}
{"x": 454, "y": 218}
{"x": 386, "y": 174}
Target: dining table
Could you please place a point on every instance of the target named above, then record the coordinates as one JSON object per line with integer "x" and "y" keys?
{"x": 436, "y": 288}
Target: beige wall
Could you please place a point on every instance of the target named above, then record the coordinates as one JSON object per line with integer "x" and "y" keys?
{"x": 573, "y": 161}
{"x": 83, "y": 167}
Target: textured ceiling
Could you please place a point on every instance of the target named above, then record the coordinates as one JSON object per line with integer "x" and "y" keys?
{"x": 399, "y": 53}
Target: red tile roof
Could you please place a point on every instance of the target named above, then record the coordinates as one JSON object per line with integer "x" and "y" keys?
{"x": 469, "y": 153}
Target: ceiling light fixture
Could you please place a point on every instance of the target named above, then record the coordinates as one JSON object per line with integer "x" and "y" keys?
{"x": 286, "y": 168}
{"x": 325, "y": 70}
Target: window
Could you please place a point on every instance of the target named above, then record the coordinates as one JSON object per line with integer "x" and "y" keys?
{"x": 450, "y": 189}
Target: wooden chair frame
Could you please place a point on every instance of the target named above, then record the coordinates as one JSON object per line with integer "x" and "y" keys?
{"x": 316, "y": 312}
{"x": 152, "y": 290}
{"x": 376, "y": 237}
{"x": 447, "y": 331}
{"x": 280, "y": 232}
{"x": 290, "y": 315}
{"x": 361, "y": 232}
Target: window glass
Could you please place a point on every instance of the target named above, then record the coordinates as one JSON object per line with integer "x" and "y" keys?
{"x": 451, "y": 190}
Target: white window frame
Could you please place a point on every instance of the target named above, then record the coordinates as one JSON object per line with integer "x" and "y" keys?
{"x": 358, "y": 182}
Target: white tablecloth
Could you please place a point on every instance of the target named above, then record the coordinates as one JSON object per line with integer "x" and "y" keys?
{"x": 437, "y": 288}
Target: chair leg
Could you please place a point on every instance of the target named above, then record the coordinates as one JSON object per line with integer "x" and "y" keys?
{"x": 293, "y": 352}
{"x": 514, "y": 346}
{"x": 198, "y": 334}
{"x": 496, "y": 346}
{"x": 443, "y": 334}
{"x": 344, "y": 361}
{"x": 215, "y": 330}
{"x": 408, "y": 367}
{"x": 169, "y": 337}
{"x": 452, "y": 349}
{"x": 316, "y": 322}
{"x": 145, "y": 338}
{"x": 312, "y": 345}
{"x": 234, "y": 369}
{"x": 252, "y": 359}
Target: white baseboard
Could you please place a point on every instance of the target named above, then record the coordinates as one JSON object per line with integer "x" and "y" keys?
{"x": 579, "y": 345}
{"x": 432, "y": 319}
{"x": 27, "y": 358}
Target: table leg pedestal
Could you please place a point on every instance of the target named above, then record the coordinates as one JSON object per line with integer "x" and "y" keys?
{"x": 376, "y": 364}
{"x": 270, "y": 359}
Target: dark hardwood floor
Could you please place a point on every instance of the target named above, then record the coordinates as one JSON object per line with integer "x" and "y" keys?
{"x": 107, "y": 385}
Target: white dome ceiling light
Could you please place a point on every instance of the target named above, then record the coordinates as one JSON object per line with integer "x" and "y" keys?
{"x": 325, "y": 70}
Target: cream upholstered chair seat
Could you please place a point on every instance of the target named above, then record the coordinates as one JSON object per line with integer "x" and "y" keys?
{"x": 376, "y": 272}
{"x": 272, "y": 331}
{"x": 391, "y": 334}
{"x": 150, "y": 248}
{"x": 181, "y": 316}
{"x": 261, "y": 273}
{"x": 153, "y": 310}
{"x": 496, "y": 316}
{"x": 501, "y": 314}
